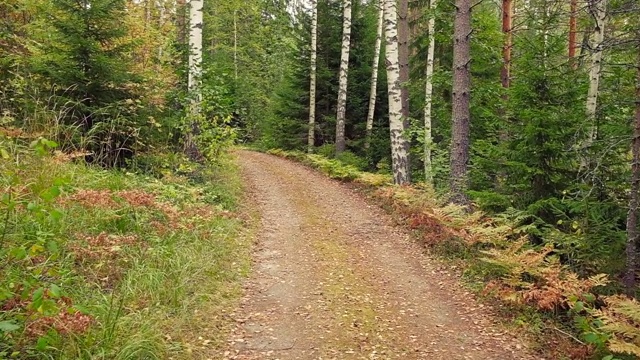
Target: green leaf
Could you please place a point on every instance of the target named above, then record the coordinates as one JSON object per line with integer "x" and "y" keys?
{"x": 608, "y": 357}
{"x": 589, "y": 297}
{"x": 591, "y": 338}
{"x": 36, "y": 299}
{"x": 55, "y": 291}
{"x": 50, "y": 143}
{"x": 52, "y": 246}
{"x": 82, "y": 309}
{"x": 56, "y": 215}
{"x": 4, "y": 154}
{"x": 579, "y": 306}
{"x": 50, "y": 193}
{"x": 59, "y": 182}
{"x": 8, "y": 326}
{"x": 42, "y": 343}
{"x": 18, "y": 253}
{"x": 5, "y": 294}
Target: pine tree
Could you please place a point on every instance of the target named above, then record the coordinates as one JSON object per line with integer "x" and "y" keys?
{"x": 634, "y": 199}
{"x": 507, "y": 13}
{"x": 461, "y": 99}
{"x": 573, "y": 30}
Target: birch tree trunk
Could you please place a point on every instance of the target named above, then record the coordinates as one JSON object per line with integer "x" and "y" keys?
{"x": 428, "y": 95}
{"x": 399, "y": 155}
{"x": 403, "y": 58}
{"x": 634, "y": 198}
{"x": 598, "y": 10}
{"x": 374, "y": 79}
{"x": 312, "y": 86}
{"x": 195, "y": 74}
{"x": 344, "y": 70}
{"x": 461, "y": 97}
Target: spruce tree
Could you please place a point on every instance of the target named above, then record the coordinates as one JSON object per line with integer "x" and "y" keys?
{"x": 83, "y": 57}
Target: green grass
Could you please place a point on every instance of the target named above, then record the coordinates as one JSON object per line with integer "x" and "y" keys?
{"x": 106, "y": 264}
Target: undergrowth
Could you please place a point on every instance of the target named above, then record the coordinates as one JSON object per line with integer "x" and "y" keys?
{"x": 108, "y": 264}
{"x": 570, "y": 315}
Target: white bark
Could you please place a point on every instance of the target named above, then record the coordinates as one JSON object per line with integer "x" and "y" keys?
{"x": 374, "y": 79}
{"x": 312, "y": 86}
{"x": 344, "y": 70}
{"x": 195, "y": 47}
{"x": 195, "y": 73}
{"x": 399, "y": 155}
{"x": 428, "y": 91}
{"x": 598, "y": 9}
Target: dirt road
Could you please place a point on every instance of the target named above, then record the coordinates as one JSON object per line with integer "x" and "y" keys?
{"x": 335, "y": 279}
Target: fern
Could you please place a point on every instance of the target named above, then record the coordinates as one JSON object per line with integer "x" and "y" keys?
{"x": 621, "y": 320}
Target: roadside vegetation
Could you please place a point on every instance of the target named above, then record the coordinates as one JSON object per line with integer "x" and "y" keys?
{"x": 116, "y": 264}
{"x": 119, "y": 212}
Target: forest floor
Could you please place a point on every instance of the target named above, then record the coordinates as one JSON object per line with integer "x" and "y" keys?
{"x": 334, "y": 278}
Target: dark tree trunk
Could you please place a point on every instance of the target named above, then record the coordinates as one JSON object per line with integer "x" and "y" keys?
{"x": 461, "y": 97}
{"x": 573, "y": 28}
{"x": 505, "y": 74}
{"x": 181, "y": 21}
{"x": 632, "y": 217}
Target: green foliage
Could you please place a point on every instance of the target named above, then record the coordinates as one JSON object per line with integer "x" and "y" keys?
{"x": 292, "y": 98}
{"x": 351, "y": 159}
{"x": 335, "y": 168}
{"x": 111, "y": 264}
{"x": 618, "y": 325}
{"x": 82, "y": 60}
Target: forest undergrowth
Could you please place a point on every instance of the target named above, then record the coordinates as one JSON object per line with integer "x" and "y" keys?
{"x": 565, "y": 315}
{"x": 116, "y": 264}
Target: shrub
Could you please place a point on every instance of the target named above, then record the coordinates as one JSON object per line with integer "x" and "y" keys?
{"x": 351, "y": 159}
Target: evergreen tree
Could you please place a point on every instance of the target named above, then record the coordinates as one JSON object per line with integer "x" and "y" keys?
{"x": 83, "y": 59}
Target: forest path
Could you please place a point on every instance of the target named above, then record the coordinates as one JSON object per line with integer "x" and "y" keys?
{"x": 335, "y": 279}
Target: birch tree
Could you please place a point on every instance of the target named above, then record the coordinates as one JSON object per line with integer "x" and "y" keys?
{"x": 312, "y": 86}
{"x": 461, "y": 98}
{"x": 428, "y": 95}
{"x": 374, "y": 78}
{"x": 195, "y": 74}
{"x": 598, "y": 10}
{"x": 399, "y": 154}
{"x": 344, "y": 70}
{"x": 403, "y": 57}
